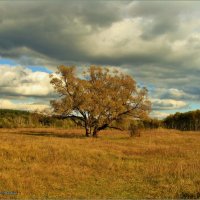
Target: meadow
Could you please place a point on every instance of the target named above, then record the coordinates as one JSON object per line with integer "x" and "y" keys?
{"x": 58, "y": 163}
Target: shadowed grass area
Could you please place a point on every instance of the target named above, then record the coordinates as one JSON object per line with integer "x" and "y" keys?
{"x": 56, "y": 163}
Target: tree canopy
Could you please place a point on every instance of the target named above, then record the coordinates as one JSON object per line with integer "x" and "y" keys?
{"x": 98, "y": 97}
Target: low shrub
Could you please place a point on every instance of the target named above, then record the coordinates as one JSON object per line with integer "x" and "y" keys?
{"x": 134, "y": 130}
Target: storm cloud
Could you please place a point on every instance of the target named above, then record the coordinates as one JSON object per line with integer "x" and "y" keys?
{"x": 157, "y": 42}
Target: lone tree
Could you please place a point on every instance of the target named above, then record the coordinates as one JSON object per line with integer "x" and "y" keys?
{"x": 97, "y": 99}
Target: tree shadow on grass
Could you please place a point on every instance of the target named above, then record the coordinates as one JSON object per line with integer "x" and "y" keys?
{"x": 52, "y": 134}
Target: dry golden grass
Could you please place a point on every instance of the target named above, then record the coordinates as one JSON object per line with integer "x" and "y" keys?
{"x": 55, "y": 163}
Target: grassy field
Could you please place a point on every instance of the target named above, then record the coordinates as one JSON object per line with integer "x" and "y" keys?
{"x": 52, "y": 163}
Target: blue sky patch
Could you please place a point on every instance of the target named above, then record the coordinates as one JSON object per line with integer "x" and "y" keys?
{"x": 4, "y": 61}
{"x": 39, "y": 68}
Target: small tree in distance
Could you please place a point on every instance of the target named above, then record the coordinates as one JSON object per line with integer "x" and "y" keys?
{"x": 98, "y": 99}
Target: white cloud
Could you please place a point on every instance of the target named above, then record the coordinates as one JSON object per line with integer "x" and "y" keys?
{"x": 168, "y": 104}
{"x": 112, "y": 39}
{"x": 158, "y": 114}
{"x": 123, "y": 39}
{"x": 176, "y": 93}
{"x": 23, "y": 82}
{"x": 7, "y": 104}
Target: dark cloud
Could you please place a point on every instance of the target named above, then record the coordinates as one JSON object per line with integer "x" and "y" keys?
{"x": 52, "y": 29}
{"x": 162, "y": 17}
{"x": 159, "y": 27}
{"x": 102, "y": 13}
{"x": 56, "y": 31}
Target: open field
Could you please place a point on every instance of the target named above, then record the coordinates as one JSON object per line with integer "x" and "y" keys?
{"x": 55, "y": 163}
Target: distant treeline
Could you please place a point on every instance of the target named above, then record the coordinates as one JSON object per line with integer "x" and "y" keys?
{"x": 25, "y": 119}
{"x": 189, "y": 121}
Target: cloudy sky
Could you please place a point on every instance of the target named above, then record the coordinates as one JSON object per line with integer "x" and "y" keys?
{"x": 157, "y": 42}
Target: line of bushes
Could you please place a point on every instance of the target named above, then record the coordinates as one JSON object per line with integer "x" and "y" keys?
{"x": 25, "y": 119}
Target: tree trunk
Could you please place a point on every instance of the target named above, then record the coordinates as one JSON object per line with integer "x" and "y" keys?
{"x": 95, "y": 133}
{"x": 87, "y": 133}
